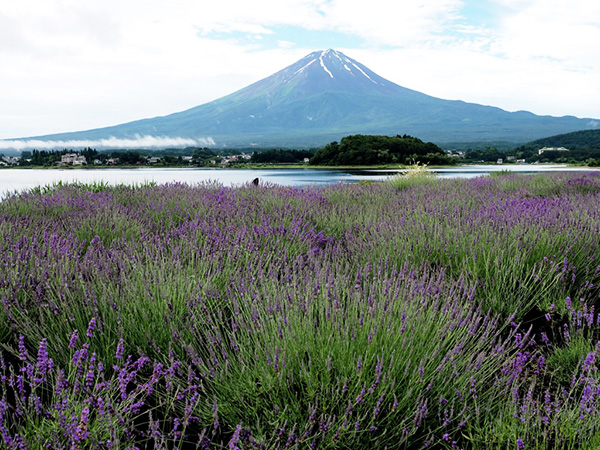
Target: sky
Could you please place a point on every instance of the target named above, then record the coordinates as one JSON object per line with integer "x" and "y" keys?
{"x": 72, "y": 65}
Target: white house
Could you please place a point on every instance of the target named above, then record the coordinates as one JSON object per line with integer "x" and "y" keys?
{"x": 11, "y": 160}
{"x": 73, "y": 158}
{"x": 552, "y": 149}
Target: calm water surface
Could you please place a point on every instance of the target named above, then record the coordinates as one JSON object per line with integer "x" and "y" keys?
{"x": 17, "y": 180}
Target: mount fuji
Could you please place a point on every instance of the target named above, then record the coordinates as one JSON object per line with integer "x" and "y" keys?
{"x": 326, "y": 96}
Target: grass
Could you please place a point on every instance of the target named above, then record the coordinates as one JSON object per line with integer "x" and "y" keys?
{"x": 422, "y": 313}
{"x": 415, "y": 174}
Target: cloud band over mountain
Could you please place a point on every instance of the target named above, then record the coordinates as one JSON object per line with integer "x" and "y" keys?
{"x": 111, "y": 142}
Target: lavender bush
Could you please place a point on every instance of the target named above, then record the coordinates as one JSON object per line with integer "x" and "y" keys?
{"x": 446, "y": 314}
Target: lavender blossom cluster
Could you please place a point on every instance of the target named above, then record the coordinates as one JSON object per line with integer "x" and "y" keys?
{"x": 449, "y": 314}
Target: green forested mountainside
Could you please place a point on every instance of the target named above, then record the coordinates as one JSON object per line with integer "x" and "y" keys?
{"x": 575, "y": 140}
{"x": 583, "y": 147}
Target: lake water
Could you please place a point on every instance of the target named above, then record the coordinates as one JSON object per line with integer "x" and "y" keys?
{"x": 17, "y": 180}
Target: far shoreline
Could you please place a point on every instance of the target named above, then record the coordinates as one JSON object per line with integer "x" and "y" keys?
{"x": 506, "y": 167}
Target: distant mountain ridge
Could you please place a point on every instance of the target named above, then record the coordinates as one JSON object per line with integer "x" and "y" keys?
{"x": 327, "y": 95}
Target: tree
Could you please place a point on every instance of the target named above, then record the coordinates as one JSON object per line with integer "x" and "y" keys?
{"x": 203, "y": 156}
{"x": 365, "y": 150}
{"x": 90, "y": 154}
{"x": 281, "y": 156}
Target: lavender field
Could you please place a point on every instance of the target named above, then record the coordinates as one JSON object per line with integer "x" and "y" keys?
{"x": 432, "y": 314}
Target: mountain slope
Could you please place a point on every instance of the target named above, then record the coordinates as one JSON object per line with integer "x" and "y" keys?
{"x": 325, "y": 96}
{"x": 577, "y": 139}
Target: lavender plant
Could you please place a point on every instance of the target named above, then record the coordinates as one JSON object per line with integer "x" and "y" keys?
{"x": 446, "y": 314}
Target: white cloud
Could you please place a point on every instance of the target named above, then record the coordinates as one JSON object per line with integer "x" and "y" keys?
{"x": 111, "y": 142}
{"x": 402, "y": 24}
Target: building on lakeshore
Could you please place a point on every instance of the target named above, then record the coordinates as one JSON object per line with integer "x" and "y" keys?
{"x": 10, "y": 160}
{"x": 72, "y": 158}
{"x": 552, "y": 149}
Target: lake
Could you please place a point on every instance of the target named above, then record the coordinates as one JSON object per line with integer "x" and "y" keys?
{"x": 17, "y": 180}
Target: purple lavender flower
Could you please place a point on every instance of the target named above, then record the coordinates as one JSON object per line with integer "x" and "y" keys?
{"x": 91, "y": 327}
{"x": 74, "y": 338}
{"x": 44, "y": 363}
{"x": 22, "y": 349}
{"x": 589, "y": 362}
{"x": 235, "y": 439}
{"x": 120, "y": 348}
{"x": 81, "y": 432}
{"x": 215, "y": 416}
{"x": 360, "y": 397}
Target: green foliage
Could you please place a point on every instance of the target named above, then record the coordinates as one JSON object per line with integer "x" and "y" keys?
{"x": 583, "y": 146}
{"x": 44, "y": 158}
{"x": 565, "y": 359}
{"x": 488, "y": 154}
{"x": 578, "y": 139}
{"x": 594, "y": 163}
{"x": 365, "y": 150}
{"x": 127, "y": 158}
{"x": 415, "y": 175}
{"x": 281, "y": 156}
{"x": 203, "y": 156}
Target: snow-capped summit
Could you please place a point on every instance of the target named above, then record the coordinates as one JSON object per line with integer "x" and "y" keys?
{"x": 325, "y": 96}
{"x": 325, "y": 70}
{"x": 335, "y": 64}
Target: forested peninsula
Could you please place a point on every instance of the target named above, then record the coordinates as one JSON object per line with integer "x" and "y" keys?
{"x": 364, "y": 150}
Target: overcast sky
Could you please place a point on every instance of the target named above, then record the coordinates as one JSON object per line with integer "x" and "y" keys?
{"x": 71, "y": 65}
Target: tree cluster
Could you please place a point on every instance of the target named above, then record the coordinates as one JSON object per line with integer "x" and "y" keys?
{"x": 203, "y": 156}
{"x": 488, "y": 154}
{"x": 366, "y": 150}
{"x": 574, "y": 140}
{"x": 49, "y": 158}
{"x": 530, "y": 153}
{"x": 281, "y": 156}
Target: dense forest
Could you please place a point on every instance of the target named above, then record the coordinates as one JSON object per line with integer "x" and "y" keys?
{"x": 281, "y": 156}
{"x": 366, "y": 150}
{"x": 583, "y": 147}
{"x": 575, "y": 140}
